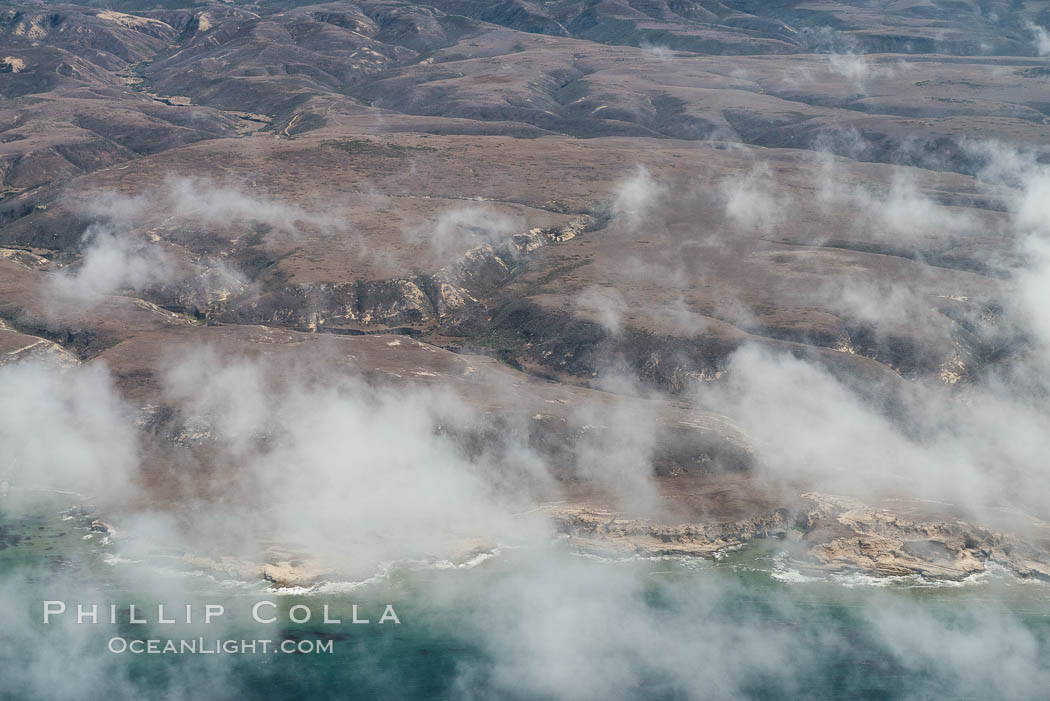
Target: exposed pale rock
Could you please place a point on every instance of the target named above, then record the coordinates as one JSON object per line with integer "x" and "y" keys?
{"x": 282, "y": 573}
{"x": 292, "y": 574}
{"x": 606, "y": 531}
{"x": 17, "y": 65}
{"x": 834, "y": 534}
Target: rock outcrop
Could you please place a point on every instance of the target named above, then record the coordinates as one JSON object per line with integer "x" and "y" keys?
{"x": 602, "y": 531}
{"x": 829, "y": 534}
{"x": 280, "y": 572}
{"x": 408, "y": 301}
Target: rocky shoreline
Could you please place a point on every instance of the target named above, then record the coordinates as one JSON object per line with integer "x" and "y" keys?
{"x": 827, "y": 534}
{"x": 821, "y": 533}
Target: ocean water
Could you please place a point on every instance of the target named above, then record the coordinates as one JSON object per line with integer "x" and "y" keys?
{"x": 523, "y": 623}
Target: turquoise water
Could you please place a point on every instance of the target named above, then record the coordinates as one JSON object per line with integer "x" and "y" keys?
{"x": 527, "y": 623}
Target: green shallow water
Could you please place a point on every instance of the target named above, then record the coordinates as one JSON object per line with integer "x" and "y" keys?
{"x": 528, "y": 623}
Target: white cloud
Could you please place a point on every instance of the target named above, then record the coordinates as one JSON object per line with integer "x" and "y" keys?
{"x": 111, "y": 263}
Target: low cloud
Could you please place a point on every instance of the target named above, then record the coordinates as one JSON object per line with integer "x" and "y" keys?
{"x": 659, "y": 51}
{"x": 901, "y": 213}
{"x": 616, "y": 446}
{"x": 753, "y": 201}
{"x": 605, "y": 304}
{"x": 67, "y": 429}
{"x": 1041, "y": 37}
{"x": 396, "y": 484}
{"x": 458, "y": 230}
{"x": 204, "y": 202}
{"x": 111, "y": 263}
{"x": 858, "y": 69}
{"x": 635, "y": 196}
